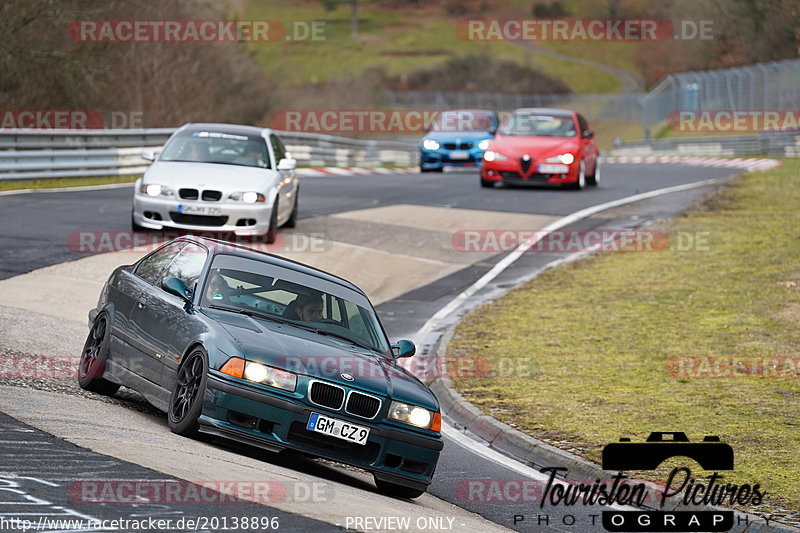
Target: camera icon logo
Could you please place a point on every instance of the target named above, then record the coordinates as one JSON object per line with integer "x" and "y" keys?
{"x": 710, "y": 454}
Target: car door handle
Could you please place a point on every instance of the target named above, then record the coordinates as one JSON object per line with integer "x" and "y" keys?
{"x": 141, "y": 301}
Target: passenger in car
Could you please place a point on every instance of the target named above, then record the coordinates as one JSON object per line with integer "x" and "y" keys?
{"x": 256, "y": 156}
{"x": 197, "y": 152}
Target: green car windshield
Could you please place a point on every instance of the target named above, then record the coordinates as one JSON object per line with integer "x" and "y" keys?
{"x": 275, "y": 293}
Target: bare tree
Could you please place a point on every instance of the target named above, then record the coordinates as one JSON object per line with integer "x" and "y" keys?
{"x": 330, "y": 5}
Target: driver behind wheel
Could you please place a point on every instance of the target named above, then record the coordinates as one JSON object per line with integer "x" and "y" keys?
{"x": 217, "y": 288}
{"x": 305, "y": 307}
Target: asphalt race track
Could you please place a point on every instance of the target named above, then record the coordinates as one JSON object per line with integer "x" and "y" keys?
{"x": 401, "y": 225}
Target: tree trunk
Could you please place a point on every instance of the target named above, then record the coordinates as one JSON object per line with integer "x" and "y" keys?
{"x": 354, "y": 18}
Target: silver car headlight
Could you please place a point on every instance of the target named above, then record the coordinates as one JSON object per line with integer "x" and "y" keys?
{"x": 411, "y": 414}
{"x": 155, "y": 189}
{"x": 430, "y": 144}
{"x": 248, "y": 197}
{"x": 484, "y": 144}
{"x": 267, "y": 375}
{"x": 564, "y": 159}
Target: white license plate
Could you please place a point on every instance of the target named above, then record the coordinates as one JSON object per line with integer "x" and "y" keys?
{"x": 553, "y": 169}
{"x": 199, "y": 210}
{"x": 459, "y": 154}
{"x": 337, "y": 428}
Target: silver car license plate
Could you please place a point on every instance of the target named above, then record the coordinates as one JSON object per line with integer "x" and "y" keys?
{"x": 459, "y": 154}
{"x": 199, "y": 210}
{"x": 553, "y": 169}
{"x": 337, "y": 428}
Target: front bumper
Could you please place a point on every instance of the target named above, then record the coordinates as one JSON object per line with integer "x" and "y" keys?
{"x": 274, "y": 422}
{"x": 433, "y": 159}
{"x": 242, "y": 219}
{"x": 510, "y": 171}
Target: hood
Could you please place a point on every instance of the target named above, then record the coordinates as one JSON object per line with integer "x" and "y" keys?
{"x": 176, "y": 174}
{"x": 537, "y": 147}
{"x": 457, "y": 136}
{"x": 324, "y": 357}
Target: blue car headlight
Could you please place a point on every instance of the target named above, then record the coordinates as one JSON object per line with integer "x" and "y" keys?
{"x": 484, "y": 144}
{"x": 430, "y": 144}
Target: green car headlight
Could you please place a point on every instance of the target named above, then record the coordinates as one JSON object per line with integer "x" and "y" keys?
{"x": 414, "y": 415}
{"x": 267, "y": 375}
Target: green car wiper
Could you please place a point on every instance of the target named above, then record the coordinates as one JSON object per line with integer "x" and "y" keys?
{"x": 342, "y": 337}
{"x": 248, "y": 312}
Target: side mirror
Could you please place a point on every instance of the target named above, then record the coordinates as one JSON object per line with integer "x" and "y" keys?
{"x": 287, "y": 164}
{"x": 177, "y": 287}
{"x": 404, "y": 348}
{"x": 149, "y": 155}
{"x": 588, "y": 134}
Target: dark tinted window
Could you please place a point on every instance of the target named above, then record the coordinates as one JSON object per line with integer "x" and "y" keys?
{"x": 153, "y": 267}
{"x": 188, "y": 264}
{"x": 583, "y": 124}
{"x": 277, "y": 148}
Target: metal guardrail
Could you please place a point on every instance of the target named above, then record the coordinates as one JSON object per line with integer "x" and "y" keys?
{"x": 779, "y": 143}
{"x": 53, "y": 153}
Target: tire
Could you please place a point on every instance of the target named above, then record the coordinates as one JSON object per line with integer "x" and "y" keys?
{"x": 487, "y": 183}
{"x": 93, "y": 359}
{"x": 136, "y": 228}
{"x": 397, "y": 491}
{"x": 581, "y": 182}
{"x": 272, "y": 232}
{"x": 423, "y": 169}
{"x": 292, "y": 222}
{"x": 594, "y": 179}
{"x": 186, "y": 401}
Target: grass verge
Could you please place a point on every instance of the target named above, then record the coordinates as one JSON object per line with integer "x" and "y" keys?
{"x": 54, "y": 183}
{"x": 591, "y": 341}
{"x": 401, "y": 40}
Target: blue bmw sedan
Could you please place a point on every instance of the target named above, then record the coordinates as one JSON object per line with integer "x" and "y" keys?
{"x": 457, "y": 138}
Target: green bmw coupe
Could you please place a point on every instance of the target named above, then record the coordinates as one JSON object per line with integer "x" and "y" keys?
{"x": 248, "y": 346}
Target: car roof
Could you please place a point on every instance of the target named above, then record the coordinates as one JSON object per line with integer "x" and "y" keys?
{"x": 216, "y": 246}
{"x": 556, "y": 112}
{"x": 233, "y": 129}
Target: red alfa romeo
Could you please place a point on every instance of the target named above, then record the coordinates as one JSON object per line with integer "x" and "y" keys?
{"x": 542, "y": 146}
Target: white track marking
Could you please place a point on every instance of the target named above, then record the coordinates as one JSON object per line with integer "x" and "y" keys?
{"x": 526, "y": 245}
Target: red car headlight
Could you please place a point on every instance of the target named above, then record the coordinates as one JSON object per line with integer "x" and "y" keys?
{"x": 491, "y": 155}
{"x": 564, "y": 159}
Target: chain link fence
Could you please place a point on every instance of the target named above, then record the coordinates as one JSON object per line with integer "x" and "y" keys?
{"x": 760, "y": 87}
